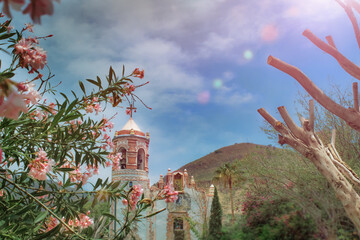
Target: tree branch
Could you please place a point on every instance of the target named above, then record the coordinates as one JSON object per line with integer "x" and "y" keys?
{"x": 352, "y": 18}
{"x": 345, "y": 63}
{"x": 348, "y": 115}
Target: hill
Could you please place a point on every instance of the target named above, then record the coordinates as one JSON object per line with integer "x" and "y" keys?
{"x": 203, "y": 168}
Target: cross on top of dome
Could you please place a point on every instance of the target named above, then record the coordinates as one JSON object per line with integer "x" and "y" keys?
{"x": 130, "y": 110}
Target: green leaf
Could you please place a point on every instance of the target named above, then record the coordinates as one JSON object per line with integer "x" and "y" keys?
{"x": 98, "y": 182}
{"x": 93, "y": 82}
{"x": 41, "y": 216}
{"x": 6, "y": 35}
{"x": 7, "y": 74}
{"x": 65, "y": 169}
{"x": 71, "y": 106}
{"x": 48, "y": 234}
{"x": 58, "y": 115}
{"x": 110, "y": 216}
{"x": 115, "y": 185}
{"x": 82, "y": 87}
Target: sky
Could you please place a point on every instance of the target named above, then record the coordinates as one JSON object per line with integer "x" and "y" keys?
{"x": 205, "y": 60}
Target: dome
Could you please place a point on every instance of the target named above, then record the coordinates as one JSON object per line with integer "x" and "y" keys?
{"x": 131, "y": 125}
{"x": 130, "y": 128}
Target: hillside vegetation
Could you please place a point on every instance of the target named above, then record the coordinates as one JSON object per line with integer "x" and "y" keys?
{"x": 203, "y": 168}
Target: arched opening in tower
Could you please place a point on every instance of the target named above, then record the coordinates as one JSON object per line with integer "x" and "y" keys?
{"x": 123, "y": 158}
{"x": 179, "y": 229}
{"x": 140, "y": 159}
{"x": 178, "y": 182}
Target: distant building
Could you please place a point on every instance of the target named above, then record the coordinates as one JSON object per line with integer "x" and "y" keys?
{"x": 192, "y": 206}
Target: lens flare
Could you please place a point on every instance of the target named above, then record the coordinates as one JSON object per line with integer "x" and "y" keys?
{"x": 203, "y": 97}
{"x": 269, "y": 33}
{"x": 217, "y": 83}
{"x": 248, "y": 54}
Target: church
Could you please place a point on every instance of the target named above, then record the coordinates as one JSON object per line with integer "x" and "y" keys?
{"x": 183, "y": 218}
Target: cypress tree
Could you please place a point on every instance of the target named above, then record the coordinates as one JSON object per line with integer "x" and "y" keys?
{"x": 215, "y": 224}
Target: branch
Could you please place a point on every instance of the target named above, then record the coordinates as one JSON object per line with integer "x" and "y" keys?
{"x": 297, "y": 131}
{"x": 352, "y": 18}
{"x": 356, "y": 96}
{"x": 348, "y": 115}
{"x": 311, "y": 115}
{"x": 345, "y": 63}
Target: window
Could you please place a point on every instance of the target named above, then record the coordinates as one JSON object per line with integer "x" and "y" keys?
{"x": 178, "y": 182}
{"x": 123, "y": 158}
{"x": 140, "y": 159}
{"x": 179, "y": 233}
{"x": 178, "y": 224}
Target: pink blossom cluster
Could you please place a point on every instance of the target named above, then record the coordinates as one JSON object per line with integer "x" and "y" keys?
{"x": 135, "y": 194}
{"x": 93, "y": 105}
{"x": 13, "y": 105}
{"x": 106, "y": 125}
{"x": 83, "y": 221}
{"x": 1, "y": 192}
{"x": 129, "y": 89}
{"x": 138, "y": 73}
{"x": 41, "y": 115}
{"x": 115, "y": 159}
{"x": 40, "y": 166}
{"x": 36, "y": 8}
{"x": 30, "y": 54}
{"x": 77, "y": 176}
{"x": 168, "y": 194}
{"x": 51, "y": 223}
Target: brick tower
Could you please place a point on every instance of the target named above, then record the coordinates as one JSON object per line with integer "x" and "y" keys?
{"x": 134, "y": 146}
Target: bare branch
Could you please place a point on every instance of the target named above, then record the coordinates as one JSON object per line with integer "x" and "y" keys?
{"x": 297, "y": 131}
{"x": 355, "y": 5}
{"x": 333, "y": 137}
{"x": 330, "y": 41}
{"x": 342, "y": 166}
{"x": 356, "y": 96}
{"x": 350, "y": 116}
{"x": 352, "y": 18}
{"x": 311, "y": 115}
{"x": 345, "y": 63}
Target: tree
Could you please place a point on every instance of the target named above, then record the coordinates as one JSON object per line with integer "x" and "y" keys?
{"x": 305, "y": 140}
{"x": 226, "y": 173}
{"x": 215, "y": 224}
{"x": 49, "y": 150}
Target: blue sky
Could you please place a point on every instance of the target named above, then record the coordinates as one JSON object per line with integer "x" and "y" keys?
{"x": 205, "y": 60}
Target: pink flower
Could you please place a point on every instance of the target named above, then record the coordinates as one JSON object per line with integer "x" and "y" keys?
{"x": 137, "y": 190}
{"x": 138, "y": 73}
{"x": 125, "y": 202}
{"x": 37, "y": 8}
{"x": 97, "y": 108}
{"x": 169, "y": 194}
{"x": 12, "y": 107}
{"x": 40, "y": 166}
{"x": 51, "y": 223}
{"x": 9, "y": 28}
{"x": 15, "y": 4}
{"x": 23, "y": 46}
{"x": 89, "y": 109}
{"x": 1, "y": 192}
{"x": 29, "y": 27}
